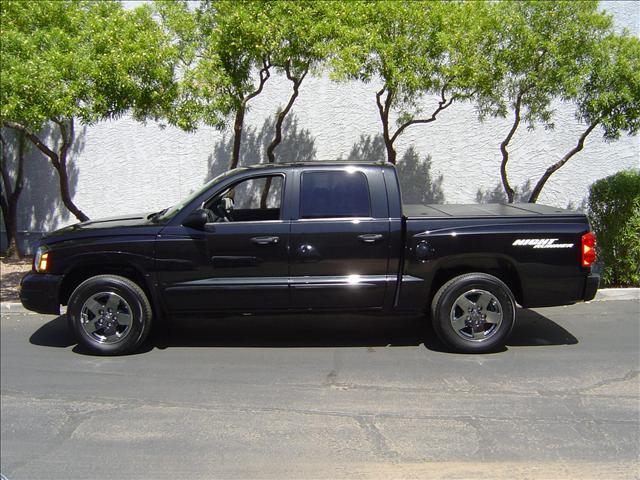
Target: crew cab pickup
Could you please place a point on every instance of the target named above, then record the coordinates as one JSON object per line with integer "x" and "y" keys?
{"x": 319, "y": 236}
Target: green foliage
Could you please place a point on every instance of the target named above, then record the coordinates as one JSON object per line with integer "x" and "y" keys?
{"x": 63, "y": 61}
{"x": 302, "y": 33}
{"x": 545, "y": 48}
{"x": 221, "y": 44}
{"x": 418, "y": 48}
{"x": 80, "y": 59}
{"x": 614, "y": 211}
{"x": 610, "y": 92}
{"x": 228, "y": 48}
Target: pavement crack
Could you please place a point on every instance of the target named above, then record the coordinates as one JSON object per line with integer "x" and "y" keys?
{"x": 611, "y": 381}
{"x": 332, "y": 376}
{"x": 376, "y": 438}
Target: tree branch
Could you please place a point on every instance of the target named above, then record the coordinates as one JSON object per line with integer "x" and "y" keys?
{"x": 264, "y": 76}
{"x": 34, "y": 139}
{"x": 442, "y": 104}
{"x": 535, "y": 193}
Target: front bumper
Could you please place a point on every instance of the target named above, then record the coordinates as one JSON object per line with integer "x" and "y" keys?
{"x": 591, "y": 286}
{"x": 39, "y": 292}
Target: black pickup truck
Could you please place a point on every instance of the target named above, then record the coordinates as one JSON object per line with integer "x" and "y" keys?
{"x": 313, "y": 237}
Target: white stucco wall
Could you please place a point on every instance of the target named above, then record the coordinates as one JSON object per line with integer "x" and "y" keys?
{"x": 123, "y": 166}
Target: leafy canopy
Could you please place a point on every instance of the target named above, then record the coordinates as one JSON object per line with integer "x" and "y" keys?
{"x": 544, "y": 50}
{"x": 610, "y": 92}
{"x": 227, "y": 49}
{"x": 81, "y": 59}
{"x": 420, "y": 47}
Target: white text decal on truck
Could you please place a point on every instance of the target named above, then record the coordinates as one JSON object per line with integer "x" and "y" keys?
{"x": 541, "y": 243}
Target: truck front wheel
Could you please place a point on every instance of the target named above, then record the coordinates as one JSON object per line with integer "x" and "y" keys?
{"x": 473, "y": 313}
{"x": 109, "y": 315}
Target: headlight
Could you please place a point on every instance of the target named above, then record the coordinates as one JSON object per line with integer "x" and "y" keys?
{"x": 41, "y": 262}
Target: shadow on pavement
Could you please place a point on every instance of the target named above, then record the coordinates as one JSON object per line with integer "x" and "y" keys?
{"x": 55, "y": 333}
{"x": 309, "y": 330}
{"x": 533, "y": 329}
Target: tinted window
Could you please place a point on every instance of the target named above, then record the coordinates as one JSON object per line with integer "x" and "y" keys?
{"x": 250, "y": 200}
{"x": 334, "y": 194}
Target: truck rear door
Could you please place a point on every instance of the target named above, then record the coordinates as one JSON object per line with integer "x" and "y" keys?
{"x": 339, "y": 238}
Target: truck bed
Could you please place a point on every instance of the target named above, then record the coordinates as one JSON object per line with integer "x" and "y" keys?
{"x": 483, "y": 210}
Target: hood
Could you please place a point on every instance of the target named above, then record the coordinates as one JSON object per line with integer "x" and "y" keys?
{"x": 122, "y": 225}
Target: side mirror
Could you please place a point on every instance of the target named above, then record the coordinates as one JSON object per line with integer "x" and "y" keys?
{"x": 196, "y": 219}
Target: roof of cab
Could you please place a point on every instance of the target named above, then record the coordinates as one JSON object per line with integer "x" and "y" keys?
{"x": 319, "y": 164}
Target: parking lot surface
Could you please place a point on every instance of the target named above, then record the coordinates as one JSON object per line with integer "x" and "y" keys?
{"x": 326, "y": 396}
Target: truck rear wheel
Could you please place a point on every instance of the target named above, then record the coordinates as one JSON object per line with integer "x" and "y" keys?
{"x": 109, "y": 315}
{"x": 473, "y": 313}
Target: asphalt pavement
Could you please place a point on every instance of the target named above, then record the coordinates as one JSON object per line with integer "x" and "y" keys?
{"x": 326, "y": 396}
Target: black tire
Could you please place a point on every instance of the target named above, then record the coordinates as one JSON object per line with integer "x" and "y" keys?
{"x": 133, "y": 307}
{"x": 467, "y": 331}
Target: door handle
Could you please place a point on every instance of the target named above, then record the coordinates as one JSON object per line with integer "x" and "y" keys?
{"x": 265, "y": 240}
{"x": 370, "y": 237}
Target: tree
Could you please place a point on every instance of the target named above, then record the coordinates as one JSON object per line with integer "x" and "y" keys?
{"x": 69, "y": 61}
{"x": 11, "y": 193}
{"x": 302, "y": 36}
{"x": 608, "y": 97}
{"x": 224, "y": 51}
{"x": 417, "y": 49}
{"x": 544, "y": 50}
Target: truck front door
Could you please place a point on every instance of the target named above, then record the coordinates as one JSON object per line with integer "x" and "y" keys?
{"x": 239, "y": 261}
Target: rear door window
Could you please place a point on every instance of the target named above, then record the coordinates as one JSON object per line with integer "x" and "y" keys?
{"x": 334, "y": 194}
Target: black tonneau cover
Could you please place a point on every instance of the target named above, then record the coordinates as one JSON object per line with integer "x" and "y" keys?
{"x": 484, "y": 210}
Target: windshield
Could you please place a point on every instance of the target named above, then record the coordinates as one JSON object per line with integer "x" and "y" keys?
{"x": 170, "y": 212}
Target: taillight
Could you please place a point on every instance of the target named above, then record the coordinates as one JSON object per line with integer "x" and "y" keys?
{"x": 588, "y": 249}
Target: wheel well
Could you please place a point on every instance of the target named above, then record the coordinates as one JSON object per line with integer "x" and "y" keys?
{"x": 502, "y": 270}
{"x": 79, "y": 274}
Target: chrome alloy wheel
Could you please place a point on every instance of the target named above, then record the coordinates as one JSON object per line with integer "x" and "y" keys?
{"x": 106, "y": 317}
{"x": 476, "y": 315}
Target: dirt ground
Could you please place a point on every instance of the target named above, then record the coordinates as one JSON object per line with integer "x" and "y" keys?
{"x": 11, "y": 271}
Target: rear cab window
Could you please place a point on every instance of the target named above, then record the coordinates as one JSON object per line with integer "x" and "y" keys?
{"x": 334, "y": 194}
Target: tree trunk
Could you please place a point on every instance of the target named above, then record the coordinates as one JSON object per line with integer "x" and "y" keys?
{"x": 240, "y": 112}
{"x": 58, "y": 160}
{"x": 556, "y": 166}
{"x": 237, "y": 136}
{"x": 265, "y": 193}
{"x": 383, "y": 110}
{"x": 277, "y": 139}
{"x": 505, "y": 153}
{"x": 13, "y": 250}
{"x": 67, "y": 133}
{"x": 9, "y": 198}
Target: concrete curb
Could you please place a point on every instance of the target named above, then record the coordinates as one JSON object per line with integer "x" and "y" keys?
{"x": 604, "y": 294}
{"x": 16, "y": 307}
{"x": 12, "y": 307}
{"x": 617, "y": 294}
